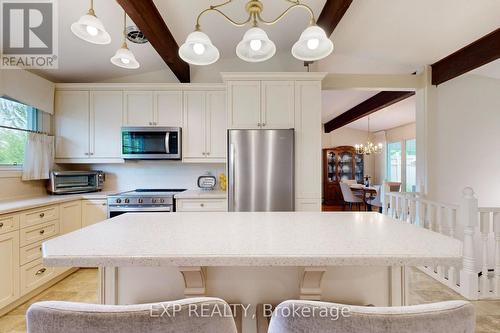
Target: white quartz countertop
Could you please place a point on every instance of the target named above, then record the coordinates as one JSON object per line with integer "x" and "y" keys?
{"x": 251, "y": 239}
{"x": 199, "y": 194}
{"x": 15, "y": 205}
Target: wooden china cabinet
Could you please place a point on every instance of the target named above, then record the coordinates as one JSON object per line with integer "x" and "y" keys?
{"x": 340, "y": 163}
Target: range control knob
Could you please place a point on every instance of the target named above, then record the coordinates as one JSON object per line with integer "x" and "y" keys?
{"x": 162, "y": 201}
{"x": 127, "y": 200}
{"x": 140, "y": 201}
{"x": 118, "y": 200}
{"x": 153, "y": 200}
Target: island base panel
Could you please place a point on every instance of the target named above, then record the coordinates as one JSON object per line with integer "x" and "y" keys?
{"x": 379, "y": 286}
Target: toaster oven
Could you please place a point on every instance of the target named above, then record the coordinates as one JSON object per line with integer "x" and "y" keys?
{"x": 70, "y": 182}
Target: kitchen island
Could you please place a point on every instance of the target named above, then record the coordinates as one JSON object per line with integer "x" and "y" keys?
{"x": 253, "y": 258}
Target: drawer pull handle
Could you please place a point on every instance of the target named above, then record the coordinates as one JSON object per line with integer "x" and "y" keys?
{"x": 1, "y": 224}
{"x": 42, "y": 215}
{"x": 40, "y": 271}
{"x": 42, "y": 232}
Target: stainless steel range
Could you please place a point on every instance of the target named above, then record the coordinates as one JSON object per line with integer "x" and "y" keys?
{"x": 142, "y": 200}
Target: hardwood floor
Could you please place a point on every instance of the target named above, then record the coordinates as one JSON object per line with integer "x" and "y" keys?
{"x": 82, "y": 286}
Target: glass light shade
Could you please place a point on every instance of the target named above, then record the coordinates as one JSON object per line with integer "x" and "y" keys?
{"x": 312, "y": 45}
{"x": 124, "y": 58}
{"x": 255, "y": 46}
{"x": 198, "y": 50}
{"x": 90, "y": 29}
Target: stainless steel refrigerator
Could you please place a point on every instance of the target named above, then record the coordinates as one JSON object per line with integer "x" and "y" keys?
{"x": 261, "y": 170}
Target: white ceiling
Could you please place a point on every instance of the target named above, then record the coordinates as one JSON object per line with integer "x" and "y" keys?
{"x": 490, "y": 70}
{"x": 375, "y": 36}
{"x": 336, "y": 102}
{"x": 398, "y": 114}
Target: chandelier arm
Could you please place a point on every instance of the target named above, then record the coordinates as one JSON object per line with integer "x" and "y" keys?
{"x": 214, "y": 9}
{"x": 296, "y": 5}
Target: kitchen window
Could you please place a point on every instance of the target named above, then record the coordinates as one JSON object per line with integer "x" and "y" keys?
{"x": 16, "y": 120}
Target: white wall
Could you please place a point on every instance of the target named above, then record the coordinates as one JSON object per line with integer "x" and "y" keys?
{"x": 464, "y": 140}
{"x": 283, "y": 62}
{"x": 346, "y": 136}
{"x": 152, "y": 174}
{"x": 11, "y": 186}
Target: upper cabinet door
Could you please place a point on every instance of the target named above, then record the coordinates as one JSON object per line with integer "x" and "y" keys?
{"x": 216, "y": 125}
{"x": 139, "y": 108}
{"x": 106, "y": 119}
{"x": 168, "y": 106}
{"x": 244, "y": 104}
{"x": 278, "y": 104}
{"x": 72, "y": 124}
{"x": 193, "y": 135}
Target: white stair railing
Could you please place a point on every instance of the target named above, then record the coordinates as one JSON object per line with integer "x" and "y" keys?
{"x": 477, "y": 223}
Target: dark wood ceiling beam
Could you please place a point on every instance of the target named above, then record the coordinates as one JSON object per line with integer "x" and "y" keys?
{"x": 371, "y": 105}
{"x": 332, "y": 13}
{"x": 470, "y": 57}
{"x": 149, "y": 20}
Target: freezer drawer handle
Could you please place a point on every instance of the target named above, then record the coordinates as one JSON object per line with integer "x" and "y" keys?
{"x": 40, "y": 271}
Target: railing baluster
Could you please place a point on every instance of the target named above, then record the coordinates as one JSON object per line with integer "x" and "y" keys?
{"x": 496, "y": 230}
{"x": 440, "y": 211}
{"x": 484, "y": 224}
{"x": 413, "y": 209}
{"x": 452, "y": 218}
{"x": 421, "y": 213}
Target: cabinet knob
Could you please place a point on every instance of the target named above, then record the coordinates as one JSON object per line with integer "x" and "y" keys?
{"x": 87, "y": 154}
{"x": 208, "y": 154}
{"x": 42, "y": 215}
{"x": 202, "y": 205}
{"x": 263, "y": 124}
{"x": 259, "y": 125}
{"x": 40, "y": 271}
{"x": 40, "y": 248}
{"x": 1, "y": 224}
{"x": 42, "y": 232}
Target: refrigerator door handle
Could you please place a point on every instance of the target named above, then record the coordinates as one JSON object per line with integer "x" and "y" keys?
{"x": 232, "y": 173}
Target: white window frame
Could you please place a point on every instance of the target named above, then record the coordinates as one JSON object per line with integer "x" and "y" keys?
{"x": 403, "y": 161}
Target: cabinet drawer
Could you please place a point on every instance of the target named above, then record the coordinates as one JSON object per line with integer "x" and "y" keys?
{"x": 30, "y": 252}
{"x": 34, "y": 274}
{"x": 9, "y": 223}
{"x": 39, "y": 232}
{"x": 39, "y": 215}
{"x": 202, "y": 205}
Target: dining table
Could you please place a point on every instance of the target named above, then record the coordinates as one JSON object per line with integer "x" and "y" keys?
{"x": 372, "y": 191}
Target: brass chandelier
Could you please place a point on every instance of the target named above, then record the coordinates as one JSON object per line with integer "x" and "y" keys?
{"x": 369, "y": 148}
{"x": 256, "y": 46}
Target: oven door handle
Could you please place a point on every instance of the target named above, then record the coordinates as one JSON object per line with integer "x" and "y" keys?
{"x": 167, "y": 142}
{"x": 140, "y": 209}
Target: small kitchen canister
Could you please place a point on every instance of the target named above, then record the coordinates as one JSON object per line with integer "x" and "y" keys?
{"x": 207, "y": 182}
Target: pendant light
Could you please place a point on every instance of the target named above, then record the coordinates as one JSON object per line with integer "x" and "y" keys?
{"x": 90, "y": 28}
{"x": 312, "y": 45}
{"x": 124, "y": 58}
{"x": 198, "y": 50}
{"x": 255, "y": 46}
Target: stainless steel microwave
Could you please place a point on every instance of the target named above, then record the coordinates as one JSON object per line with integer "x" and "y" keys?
{"x": 151, "y": 143}
{"x": 69, "y": 182}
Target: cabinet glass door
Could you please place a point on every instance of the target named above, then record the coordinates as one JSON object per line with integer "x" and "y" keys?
{"x": 359, "y": 168}
{"x": 345, "y": 166}
{"x": 331, "y": 165}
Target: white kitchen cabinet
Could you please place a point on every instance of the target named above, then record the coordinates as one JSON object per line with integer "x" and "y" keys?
{"x": 168, "y": 108}
{"x": 9, "y": 269}
{"x": 94, "y": 211}
{"x": 106, "y": 109}
{"x": 261, "y": 104}
{"x": 278, "y": 104}
{"x": 204, "y": 131}
{"x": 88, "y": 126}
{"x": 244, "y": 104}
{"x": 308, "y": 142}
{"x": 216, "y": 127}
{"x": 70, "y": 217}
{"x": 201, "y": 205}
{"x": 139, "y": 108}
{"x": 72, "y": 124}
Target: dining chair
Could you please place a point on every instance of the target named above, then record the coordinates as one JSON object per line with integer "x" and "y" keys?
{"x": 393, "y": 186}
{"x": 183, "y": 316}
{"x": 377, "y": 200}
{"x": 349, "y": 197}
{"x": 321, "y": 317}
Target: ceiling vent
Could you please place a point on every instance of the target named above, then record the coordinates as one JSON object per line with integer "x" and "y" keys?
{"x": 135, "y": 35}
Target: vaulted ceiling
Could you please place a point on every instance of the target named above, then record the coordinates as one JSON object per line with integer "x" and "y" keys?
{"x": 374, "y": 36}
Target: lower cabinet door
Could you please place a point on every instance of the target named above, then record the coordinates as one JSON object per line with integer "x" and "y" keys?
{"x": 34, "y": 274}
{"x": 9, "y": 269}
{"x": 93, "y": 211}
{"x": 70, "y": 217}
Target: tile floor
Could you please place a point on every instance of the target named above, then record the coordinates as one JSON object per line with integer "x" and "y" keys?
{"x": 82, "y": 285}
